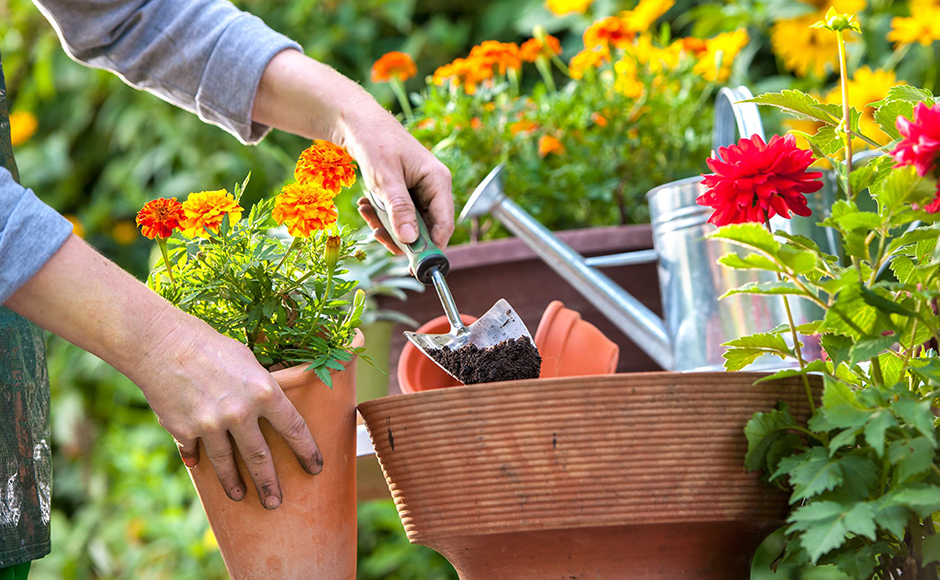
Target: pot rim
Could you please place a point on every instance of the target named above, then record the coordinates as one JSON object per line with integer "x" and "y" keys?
{"x": 297, "y": 376}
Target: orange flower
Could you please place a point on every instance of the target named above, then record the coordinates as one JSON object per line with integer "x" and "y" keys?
{"x": 394, "y": 64}
{"x": 23, "y": 125}
{"x": 206, "y": 209}
{"x": 123, "y": 233}
{"x": 428, "y": 123}
{"x": 599, "y": 120}
{"x": 611, "y": 31}
{"x": 532, "y": 49}
{"x": 502, "y": 55}
{"x": 563, "y": 7}
{"x": 304, "y": 208}
{"x": 523, "y": 126}
{"x": 158, "y": 218}
{"x": 587, "y": 59}
{"x": 463, "y": 72}
{"x": 327, "y": 166}
{"x": 549, "y": 145}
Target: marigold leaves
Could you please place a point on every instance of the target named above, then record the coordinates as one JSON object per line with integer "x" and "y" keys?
{"x": 798, "y": 104}
{"x": 919, "y": 415}
{"x": 876, "y": 428}
{"x": 750, "y": 235}
{"x": 911, "y": 457}
{"x": 825, "y": 525}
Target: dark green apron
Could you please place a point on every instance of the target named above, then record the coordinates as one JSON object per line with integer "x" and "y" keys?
{"x": 25, "y": 462}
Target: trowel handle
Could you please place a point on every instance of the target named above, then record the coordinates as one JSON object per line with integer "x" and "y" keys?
{"x": 422, "y": 254}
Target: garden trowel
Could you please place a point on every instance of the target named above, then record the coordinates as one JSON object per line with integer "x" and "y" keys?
{"x": 429, "y": 265}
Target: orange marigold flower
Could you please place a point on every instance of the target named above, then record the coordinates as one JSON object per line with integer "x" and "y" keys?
{"x": 158, "y": 218}
{"x": 463, "y": 72}
{"x": 428, "y": 123}
{"x": 501, "y": 55}
{"x": 326, "y": 165}
{"x": 206, "y": 209}
{"x": 304, "y": 208}
{"x": 587, "y": 59}
{"x": 611, "y": 31}
{"x": 549, "y": 145}
{"x": 532, "y": 49}
{"x": 394, "y": 64}
{"x": 23, "y": 125}
{"x": 523, "y": 126}
{"x": 598, "y": 119}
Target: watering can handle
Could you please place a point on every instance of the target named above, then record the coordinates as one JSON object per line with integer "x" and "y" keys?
{"x": 732, "y": 117}
{"x": 423, "y": 256}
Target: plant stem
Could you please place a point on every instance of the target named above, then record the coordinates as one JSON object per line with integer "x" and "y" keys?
{"x": 876, "y": 371}
{"x": 166, "y": 259}
{"x": 399, "y": 89}
{"x": 846, "y": 113}
{"x": 513, "y": 76}
{"x": 545, "y": 70}
{"x": 290, "y": 248}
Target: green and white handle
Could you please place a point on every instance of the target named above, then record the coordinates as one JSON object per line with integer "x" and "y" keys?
{"x": 422, "y": 254}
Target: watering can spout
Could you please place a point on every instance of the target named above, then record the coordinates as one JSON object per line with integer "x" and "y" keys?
{"x": 634, "y": 319}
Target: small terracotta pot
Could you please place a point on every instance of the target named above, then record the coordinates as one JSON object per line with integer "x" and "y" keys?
{"x": 313, "y": 533}
{"x": 416, "y": 372}
{"x": 572, "y": 347}
{"x": 636, "y": 476}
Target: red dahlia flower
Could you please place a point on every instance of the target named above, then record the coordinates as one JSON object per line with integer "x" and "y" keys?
{"x": 920, "y": 141}
{"x": 754, "y": 181}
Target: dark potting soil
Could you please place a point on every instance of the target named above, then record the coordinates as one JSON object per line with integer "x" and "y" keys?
{"x": 509, "y": 360}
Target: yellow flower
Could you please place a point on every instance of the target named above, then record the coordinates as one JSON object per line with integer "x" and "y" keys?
{"x": 327, "y": 165}
{"x": 563, "y": 7}
{"x": 304, "y": 208}
{"x": 78, "y": 229}
{"x": 608, "y": 32}
{"x": 626, "y": 81}
{"x": 587, "y": 59}
{"x": 804, "y": 50}
{"x": 23, "y": 125}
{"x": 719, "y": 54}
{"x": 867, "y": 86}
{"x": 124, "y": 232}
{"x": 923, "y": 26}
{"x": 549, "y": 145}
{"x": 653, "y": 57}
{"x": 645, "y": 14}
{"x": 205, "y": 210}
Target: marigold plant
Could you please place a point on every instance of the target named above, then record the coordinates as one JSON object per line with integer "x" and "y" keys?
{"x": 279, "y": 292}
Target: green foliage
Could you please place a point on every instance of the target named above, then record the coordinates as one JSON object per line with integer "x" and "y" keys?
{"x": 863, "y": 470}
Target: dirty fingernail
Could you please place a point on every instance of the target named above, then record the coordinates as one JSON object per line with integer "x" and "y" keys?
{"x": 238, "y": 493}
{"x": 408, "y": 233}
{"x": 272, "y": 502}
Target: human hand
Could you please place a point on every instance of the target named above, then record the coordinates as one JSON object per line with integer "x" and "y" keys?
{"x": 205, "y": 386}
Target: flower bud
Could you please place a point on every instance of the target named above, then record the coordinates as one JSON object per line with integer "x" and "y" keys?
{"x": 361, "y": 255}
{"x": 331, "y": 254}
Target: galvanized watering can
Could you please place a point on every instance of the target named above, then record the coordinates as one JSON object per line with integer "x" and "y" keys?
{"x": 691, "y": 281}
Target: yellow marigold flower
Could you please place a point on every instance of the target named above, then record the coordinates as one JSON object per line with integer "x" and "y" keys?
{"x": 327, "y": 166}
{"x": 807, "y": 50}
{"x": 124, "y": 232}
{"x": 77, "y": 228}
{"x": 304, "y": 208}
{"x": 645, "y": 14}
{"x": 925, "y": 4}
{"x": 626, "y": 81}
{"x": 608, "y": 32}
{"x": 587, "y": 59}
{"x": 549, "y": 145}
{"x": 563, "y": 7}
{"x": 532, "y": 49}
{"x": 720, "y": 52}
{"x": 866, "y": 86}
{"x": 653, "y": 57}
{"x": 923, "y": 26}
{"x": 501, "y": 55}
{"x": 394, "y": 64}
{"x": 205, "y": 210}
{"x": 23, "y": 125}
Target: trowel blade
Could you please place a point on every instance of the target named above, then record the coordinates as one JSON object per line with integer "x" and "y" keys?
{"x": 500, "y": 323}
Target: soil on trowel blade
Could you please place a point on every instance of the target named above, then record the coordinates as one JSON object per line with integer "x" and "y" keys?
{"x": 509, "y": 360}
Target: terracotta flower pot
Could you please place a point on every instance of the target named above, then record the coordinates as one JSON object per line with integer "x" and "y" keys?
{"x": 416, "y": 372}
{"x": 571, "y": 346}
{"x": 313, "y": 533}
{"x": 609, "y": 477}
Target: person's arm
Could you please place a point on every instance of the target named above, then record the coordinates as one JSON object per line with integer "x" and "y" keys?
{"x": 200, "y": 384}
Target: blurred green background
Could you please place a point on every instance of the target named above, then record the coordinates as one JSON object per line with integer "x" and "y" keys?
{"x": 123, "y": 505}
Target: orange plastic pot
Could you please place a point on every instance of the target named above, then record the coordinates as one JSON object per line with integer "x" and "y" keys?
{"x": 572, "y": 347}
{"x": 416, "y": 372}
{"x": 313, "y": 533}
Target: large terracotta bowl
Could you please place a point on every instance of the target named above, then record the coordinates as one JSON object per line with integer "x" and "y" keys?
{"x": 635, "y": 476}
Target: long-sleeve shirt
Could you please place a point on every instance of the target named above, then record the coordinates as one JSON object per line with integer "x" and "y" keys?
{"x": 202, "y": 55}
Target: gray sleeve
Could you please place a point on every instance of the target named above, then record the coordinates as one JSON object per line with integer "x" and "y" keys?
{"x": 30, "y": 233}
{"x": 205, "y": 56}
